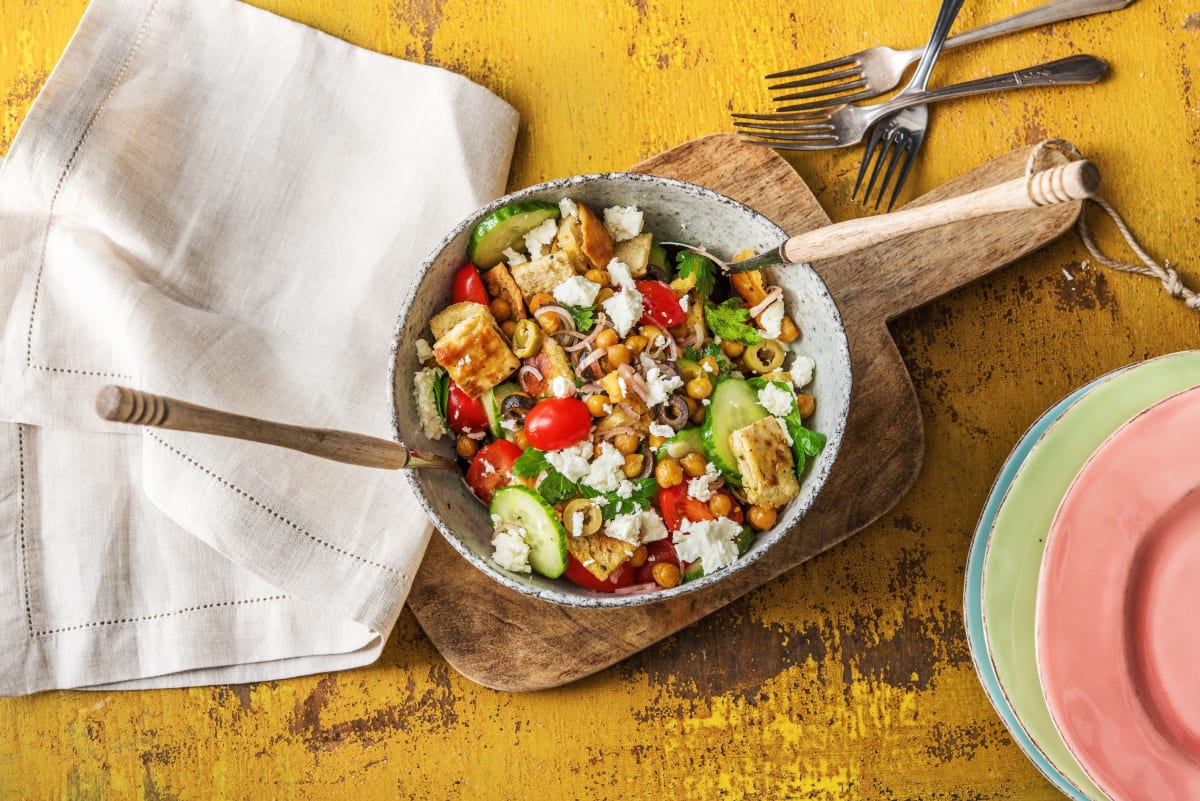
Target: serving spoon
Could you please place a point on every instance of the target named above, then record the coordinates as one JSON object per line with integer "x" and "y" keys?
{"x": 1078, "y": 180}
{"x": 124, "y": 405}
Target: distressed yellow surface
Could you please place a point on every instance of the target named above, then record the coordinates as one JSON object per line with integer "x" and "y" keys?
{"x": 849, "y": 678}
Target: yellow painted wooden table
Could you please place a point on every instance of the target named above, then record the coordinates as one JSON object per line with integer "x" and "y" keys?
{"x": 849, "y": 678}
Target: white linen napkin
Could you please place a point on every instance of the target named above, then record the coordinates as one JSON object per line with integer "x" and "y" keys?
{"x": 210, "y": 202}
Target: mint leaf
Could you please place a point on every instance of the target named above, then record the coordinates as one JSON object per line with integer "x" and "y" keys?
{"x": 730, "y": 320}
{"x": 584, "y": 316}
{"x": 530, "y": 463}
{"x": 441, "y": 395}
{"x": 705, "y": 271}
{"x": 613, "y": 504}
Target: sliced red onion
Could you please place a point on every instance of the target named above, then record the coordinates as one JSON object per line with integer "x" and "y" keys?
{"x": 588, "y": 340}
{"x": 629, "y": 410}
{"x": 528, "y": 374}
{"x": 617, "y": 430}
{"x": 772, "y": 295}
{"x": 562, "y": 313}
{"x": 637, "y": 589}
{"x": 591, "y": 387}
{"x": 591, "y": 358}
{"x": 634, "y": 381}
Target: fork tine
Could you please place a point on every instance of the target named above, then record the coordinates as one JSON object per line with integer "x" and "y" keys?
{"x": 824, "y": 91}
{"x": 910, "y": 157}
{"x": 790, "y": 136}
{"x": 868, "y": 154}
{"x": 896, "y": 150}
{"x": 824, "y": 104}
{"x": 823, "y": 113}
{"x": 828, "y": 77}
{"x": 824, "y": 65}
{"x": 784, "y": 127}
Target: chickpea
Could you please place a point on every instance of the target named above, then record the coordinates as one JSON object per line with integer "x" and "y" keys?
{"x": 549, "y": 321}
{"x": 732, "y": 348}
{"x": 788, "y": 332}
{"x": 501, "y": 309}
{"x": 651, "y": 333}
{"x": 640, "y": 554}
{"x": 599, "y": 405}
{"x": 656, "y": 441}
{"x": 598, "y": 277}
{"x": 699, "y": 388}
{"x": 668, "y": 473}
{"x": 636, "y": 343}
{"x": 761, "y": 517}
{"x": 606, "y": 338}
{"x": 634, "y": 462}
{"x": 519, "y": 439}
{"x": 604, "y": 294}
{"x": 720, "y": 504}
{"x": 694, "y": 464}
{"x": 539, "y": 300}
{"x": 709, "y": 365}
{"x": 508, "y": 327}
{"x": 618, "y": 354}
{"x": 465, "y": 447}
{"x": 807, "y": 405}
{"x": 665, "y": 574}
{"x": 626, "y": 443}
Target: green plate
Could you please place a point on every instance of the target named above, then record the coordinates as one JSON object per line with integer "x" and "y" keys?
{"x": 1018, "y": 537}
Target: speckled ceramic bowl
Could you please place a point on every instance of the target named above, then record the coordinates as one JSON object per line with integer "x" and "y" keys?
{"x": 673, "y": 210}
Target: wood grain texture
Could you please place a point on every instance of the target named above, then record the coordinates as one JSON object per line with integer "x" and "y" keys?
{"x": 844, "y": 679}
{"x": 507, "y": 641}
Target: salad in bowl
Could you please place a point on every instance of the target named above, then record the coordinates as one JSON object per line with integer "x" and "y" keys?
{"x": 628, "y": 419}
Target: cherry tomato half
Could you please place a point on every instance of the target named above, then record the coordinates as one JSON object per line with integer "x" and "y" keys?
{"x": 464, "y": 413}
{"x": 676, "y": 506}
{"x": 660, "y": 306}
{"x": 469, "y": 286}
{"x": 577, "y": 573}
{"x": 557, "y": 423}
{"x": 491, "y": 468}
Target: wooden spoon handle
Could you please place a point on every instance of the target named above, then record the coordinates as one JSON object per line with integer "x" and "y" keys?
{"x": 125, "y": 405}
{"x": 1077, "y": 180}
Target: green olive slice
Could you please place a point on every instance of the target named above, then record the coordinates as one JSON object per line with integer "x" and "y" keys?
{"x": 764, "y": 357}
{"x": 526, "y": 339}
{"x": 590, "y": 521}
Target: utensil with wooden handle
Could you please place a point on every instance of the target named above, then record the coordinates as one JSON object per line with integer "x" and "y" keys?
{"x": 1075, "y": 181}
{"x": 124, "y": 405}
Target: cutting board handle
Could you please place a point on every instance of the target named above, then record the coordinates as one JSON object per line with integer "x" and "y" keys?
{"x": 1077, "y": 180}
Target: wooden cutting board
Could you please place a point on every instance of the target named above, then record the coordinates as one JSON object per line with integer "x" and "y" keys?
{"x": 507, "y": 641}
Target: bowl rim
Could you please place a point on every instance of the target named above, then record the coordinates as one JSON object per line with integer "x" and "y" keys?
{"x": 594, "y": 599}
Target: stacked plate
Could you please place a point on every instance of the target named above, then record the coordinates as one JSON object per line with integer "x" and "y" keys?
{"x": 1083, "y": 587}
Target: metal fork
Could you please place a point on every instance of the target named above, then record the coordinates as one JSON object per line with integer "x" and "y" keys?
{"x": 900, "y": 134}
{"x": 844, "y": 125}
{"x": 878, "y": 70}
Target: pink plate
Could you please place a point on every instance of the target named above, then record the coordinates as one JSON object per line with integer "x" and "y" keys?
{"x": 1118, "y": 608}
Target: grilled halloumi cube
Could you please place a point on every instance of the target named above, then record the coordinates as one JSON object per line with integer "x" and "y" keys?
{"x": 764, "y": 458}
{"x": 542, "y": 274}
{"x": 635, "y": 253}
{"x": 552, "y": 362}
{"x": 451, "y": 316}
{"x": 599, "y": 554}
{"x": 475, "y": 353}
{"x": 597, "y": 242}
{"x": 569, "y": 240}
{"x": 500, "y": 284}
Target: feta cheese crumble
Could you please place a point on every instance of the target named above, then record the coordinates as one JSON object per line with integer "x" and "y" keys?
{"x": 775, "y": 400}
{"x": 567, "y": 207}
{"x": 537, "y": 240}
{"x": 624, "y": 309}
{"x": 577, "y": 291}
{"x": 623, "y": 222}
{"x": 660, "y": 386}
{"x": 626, "y": 528}
{"x": 700, "y": 487}
{"x": 577, "y": 524}
{"x": 660, "y": 430}
{"x": 787, "y": 435}
{"x": 713, "y": 542}
{"x": 770, "y": 319}
{"x": 424, "y": 352}
{"x": 604, "y": 474}
{"x": 572, "y": 462}
{"x": 427, "y": 410}
{"x": 619, "y": 274}
{"x": 510, "y": 550}
{"x": 562, "y": 387}
{"x": 802, "y": 371}
{"x": 513, "y": 257}
{"x": 653, "y": 527}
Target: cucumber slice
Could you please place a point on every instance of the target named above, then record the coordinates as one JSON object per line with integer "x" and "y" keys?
{"x": 545, "y": 535}
{"x": 658, "y": 258}
{"x": 689, "y": 440}
{"x": 505, "y": 228}
{"x": 491, "y": 405}
{"x": 734, "y": 404}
